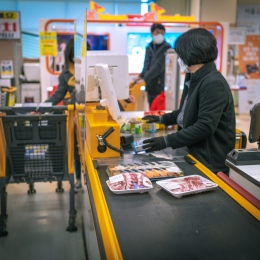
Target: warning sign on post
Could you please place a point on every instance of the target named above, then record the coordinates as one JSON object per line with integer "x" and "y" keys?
{"x": 10, "y": 25}
{"x": 48, "y": 43}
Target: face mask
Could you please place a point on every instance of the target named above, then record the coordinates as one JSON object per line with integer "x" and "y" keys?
{"x": 158, "y": 39}
{"x": 183, "y": 66}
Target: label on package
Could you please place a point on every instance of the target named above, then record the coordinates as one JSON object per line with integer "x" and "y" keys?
{"x": 116, "y": 178}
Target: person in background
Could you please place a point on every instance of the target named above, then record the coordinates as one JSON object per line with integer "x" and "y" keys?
{"x": 66, "y": 88}
{"x": 206, "y": 117}
{"x": 153, "y": 73}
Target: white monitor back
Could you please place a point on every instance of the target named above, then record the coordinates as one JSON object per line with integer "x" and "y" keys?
{"x": 118, "y": 68}
{"x": 109, "y": 98}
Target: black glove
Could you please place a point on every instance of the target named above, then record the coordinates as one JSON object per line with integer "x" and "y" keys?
{"x": 151, "y": 119}
{"x": 154, "y": 144}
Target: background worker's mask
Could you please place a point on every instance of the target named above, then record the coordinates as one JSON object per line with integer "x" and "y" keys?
{"x": 158, "y": 39}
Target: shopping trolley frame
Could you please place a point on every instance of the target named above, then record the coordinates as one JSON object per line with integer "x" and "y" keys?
{"x": 36, "y": 147}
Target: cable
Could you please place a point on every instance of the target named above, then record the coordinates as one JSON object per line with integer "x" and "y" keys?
{"x": 112, "y": 147}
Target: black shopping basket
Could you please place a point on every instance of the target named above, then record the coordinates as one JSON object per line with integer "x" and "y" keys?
{"x": 36, "y": 151}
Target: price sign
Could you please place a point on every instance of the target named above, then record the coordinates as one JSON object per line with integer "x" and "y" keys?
{"x": 10, "y": 25}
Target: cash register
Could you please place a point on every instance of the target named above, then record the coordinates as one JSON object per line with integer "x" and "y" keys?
{"x": 244, "y": 164}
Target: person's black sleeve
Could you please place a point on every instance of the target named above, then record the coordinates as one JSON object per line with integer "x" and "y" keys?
{"x": 62, "y": 89}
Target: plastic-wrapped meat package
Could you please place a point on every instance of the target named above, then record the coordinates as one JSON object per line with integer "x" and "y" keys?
{"x": 129, "y": 182}
{"x": 182, "y": 186}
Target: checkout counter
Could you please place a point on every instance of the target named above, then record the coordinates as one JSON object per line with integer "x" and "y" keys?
{"x": 218, "y": 224}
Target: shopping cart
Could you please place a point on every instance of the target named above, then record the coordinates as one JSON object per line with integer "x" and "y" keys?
{"x": 36, "y": 147}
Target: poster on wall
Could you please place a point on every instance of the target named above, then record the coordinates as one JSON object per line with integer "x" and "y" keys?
{"x": 249, "y": 16}
{"x": 48, "y": 43}
{"x": 251, "y": 96}
{"x": 10, "y": 25}
{"x": 6, "y": 69}
{"x": 249, "y": 57}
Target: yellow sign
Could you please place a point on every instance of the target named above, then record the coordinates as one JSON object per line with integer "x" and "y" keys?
{"x": 97, "y": 13}
{"x": 8, "y": 15}
{"x": 48, "y": 43}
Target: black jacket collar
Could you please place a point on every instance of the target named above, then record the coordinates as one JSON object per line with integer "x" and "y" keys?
{"x": 200, "y": 73}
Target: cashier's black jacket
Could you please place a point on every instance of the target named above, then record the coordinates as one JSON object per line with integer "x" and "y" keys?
{"x": 209, "y": 118}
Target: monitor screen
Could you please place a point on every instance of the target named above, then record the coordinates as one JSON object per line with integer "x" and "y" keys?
{"x": 118, "y": 68}
{"x": 98, "y": 42}
{"x": 109, "y": 98}
{"x": 136, "y": 45}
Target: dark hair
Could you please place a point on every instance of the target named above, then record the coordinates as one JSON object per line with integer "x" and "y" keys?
{"x": 88, "y": 46}
{"x": 196, "y": 46}
{"x": 157, "y": 26}
{"x": 69, "y": 53}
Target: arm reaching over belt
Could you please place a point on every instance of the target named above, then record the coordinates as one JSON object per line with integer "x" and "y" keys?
{"x": 152, "y": 119}
{"x": 155, "y": 144}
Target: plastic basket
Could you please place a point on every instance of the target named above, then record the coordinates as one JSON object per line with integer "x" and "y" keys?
{"x": 36, "y": 147}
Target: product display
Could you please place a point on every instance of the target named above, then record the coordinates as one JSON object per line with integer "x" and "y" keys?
{"x": 129, "y": 183}
{"x": 183, "y": 186}
{"x": 152, "y": 170}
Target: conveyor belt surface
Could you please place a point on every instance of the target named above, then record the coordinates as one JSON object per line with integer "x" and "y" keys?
{"x": 156, "y": 225}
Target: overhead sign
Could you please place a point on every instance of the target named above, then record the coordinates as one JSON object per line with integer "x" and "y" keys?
{"x": 157, "y": 14}
{"x": 10, "y": 25}
{"x": 237, "y": 36}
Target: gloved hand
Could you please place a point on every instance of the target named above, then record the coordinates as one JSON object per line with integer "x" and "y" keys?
{"x": 154, "y": 144}
{"x": 151, "y": 119}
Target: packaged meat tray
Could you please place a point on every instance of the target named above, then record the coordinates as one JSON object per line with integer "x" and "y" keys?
{"x": 152, "y": 170}
{"x": 129, "y": 183}
{"x": 183, "y": 186}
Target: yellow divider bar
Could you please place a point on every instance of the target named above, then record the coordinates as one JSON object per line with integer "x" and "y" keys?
{"x": 70, "y": 137}
{"x": 2, "y": 151}
{"x": 109, "y": 237}
{"x": 230, "y": 191}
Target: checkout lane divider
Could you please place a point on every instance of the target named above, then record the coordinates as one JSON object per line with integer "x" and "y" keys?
{"x": 255, "y": 201}
{"x": 108, "y": 233}
{"x": 229, "y": 190}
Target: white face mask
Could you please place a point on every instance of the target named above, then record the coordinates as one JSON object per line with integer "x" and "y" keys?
{"x": 183, "y": 66}
{"x": 158, "y": 39}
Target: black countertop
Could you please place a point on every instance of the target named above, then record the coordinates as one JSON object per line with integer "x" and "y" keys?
{"x": 156, "y": 225}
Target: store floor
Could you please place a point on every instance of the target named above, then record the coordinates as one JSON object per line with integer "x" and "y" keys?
{"x": 37, "y": 223}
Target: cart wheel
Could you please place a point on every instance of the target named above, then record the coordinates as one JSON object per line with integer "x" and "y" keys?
{"x": 59, "y": 187}
{"x": 3, "y": 232}
{"x": 72, "y": 221}
{"x": 31, "y": 191}
{"x": 72, "y": 227}
{"x": 60, "y": 190}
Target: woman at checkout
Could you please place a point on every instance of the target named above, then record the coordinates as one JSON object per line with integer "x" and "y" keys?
{"x": 206, "y": 116}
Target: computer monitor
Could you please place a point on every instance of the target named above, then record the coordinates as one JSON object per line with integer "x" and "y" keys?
{"x": 98, "y": 42}
{"x": 118, "y": 68}
{"x": 109, "y": 98}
